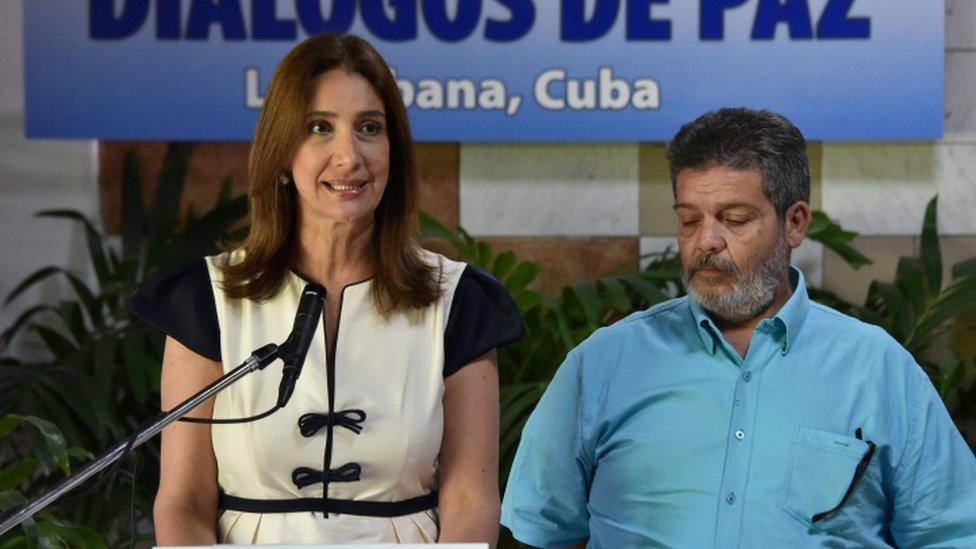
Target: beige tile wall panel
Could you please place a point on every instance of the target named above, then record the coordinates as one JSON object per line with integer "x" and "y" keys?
{"x": 657, "y": 216}
{"x": 960, "y": 24}
{"x": 549, "y": 189}
{"x": 656, "y": 199}
{"x": 960, "y": 67}
{"x": 960, "y": 101}
{"x": 882, "y": 189}
{"x": 565, "y": 260}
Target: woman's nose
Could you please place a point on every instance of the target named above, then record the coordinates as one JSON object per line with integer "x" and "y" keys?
{"x": 345, "y": 152}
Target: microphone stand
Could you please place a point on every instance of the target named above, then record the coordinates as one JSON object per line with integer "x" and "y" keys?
{"x": 258, "y": 360}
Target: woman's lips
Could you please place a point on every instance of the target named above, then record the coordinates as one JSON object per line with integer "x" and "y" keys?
{"x": 347, "y": 189}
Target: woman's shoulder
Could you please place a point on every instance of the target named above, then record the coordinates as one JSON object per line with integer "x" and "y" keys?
{"x": 448, "y": 271}
{"x": 224, "y": 259}
{"x": 179, "y": 301}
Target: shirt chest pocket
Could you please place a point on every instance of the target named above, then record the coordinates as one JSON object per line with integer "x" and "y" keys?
{"x": 833, "y": 484}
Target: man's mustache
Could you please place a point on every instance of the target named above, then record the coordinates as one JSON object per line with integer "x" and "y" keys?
{"x": 712, "y": 261}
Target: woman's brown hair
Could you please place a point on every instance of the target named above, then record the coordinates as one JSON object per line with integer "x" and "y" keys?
{"x": 401, "y": 278}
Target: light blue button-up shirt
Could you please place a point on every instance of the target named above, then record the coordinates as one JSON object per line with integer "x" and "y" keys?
{"x": 655, "y": 432}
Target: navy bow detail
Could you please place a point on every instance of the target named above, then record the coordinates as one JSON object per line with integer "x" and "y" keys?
{"x": 305, "y": 476}
{"x": 351, "y": 419}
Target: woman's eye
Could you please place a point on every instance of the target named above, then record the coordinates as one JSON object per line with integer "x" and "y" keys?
{"x": 372, "y": 128}
{"x": 319, "y": 128}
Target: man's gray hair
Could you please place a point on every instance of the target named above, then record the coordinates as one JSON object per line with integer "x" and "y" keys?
{"x": 746, "y": 139}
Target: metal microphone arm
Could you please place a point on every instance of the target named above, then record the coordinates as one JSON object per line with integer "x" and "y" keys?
{"x": 258, "y": 360}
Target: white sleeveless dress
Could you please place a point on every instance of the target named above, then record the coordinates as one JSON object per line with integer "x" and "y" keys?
{"x": 382, "y": 442}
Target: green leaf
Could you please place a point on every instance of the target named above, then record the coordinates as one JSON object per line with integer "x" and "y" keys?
{"x": 524, "y": 275}
{"x": 483, "y": 259}
{"x": 31, "y": 280}
{"x": 13, "y": 474}
{"x": 616, "y": 294}
{"x": 96, "y": 247}
{"x": 910, "y": 278}
{"x": 952, "y": 373}
{"x": 822, "y": 229}
{"x": 7, "y": 336}
{"x": 931, "y": 253}
{"x": 955, "y": 299}
{"x": 10, "y": 499}
{"x": 432, "y": 228}
{"x": 16, "y": 542}
{"x": 105, "y": 366}
{"x": 53, "y": 441}
{"x": 86, "y": 297}
{"x": 964, "y": 268}
{"x": 503, "y": 264}
{"x": 586, "y": 295}
{"x": 516, "y": 403}
{"x": 137, "y": 366}
{"x": 57, "y": 343}
{"x": 74, "y": 320}
{"x": 527, "y": 300}
{"x": 647, "y": 290}
{"x": 555, "y": 312}
{"x": 887, "y": 297}
{"x": 132, "y": 221}
{"x": 7, "y": 424}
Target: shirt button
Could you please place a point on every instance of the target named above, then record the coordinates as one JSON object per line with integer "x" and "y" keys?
{"x": 740, "y": 435}
{"x": 730, "y": 499}
{"x": 747, "y": 376}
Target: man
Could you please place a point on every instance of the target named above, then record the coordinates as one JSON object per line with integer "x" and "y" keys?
{"x": 744, "y": 414}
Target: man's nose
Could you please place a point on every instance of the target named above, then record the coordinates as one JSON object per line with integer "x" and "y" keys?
{"x": 711, "y": 237}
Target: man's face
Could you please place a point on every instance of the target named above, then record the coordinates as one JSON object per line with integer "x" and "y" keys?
{"x": 734, "y": 248}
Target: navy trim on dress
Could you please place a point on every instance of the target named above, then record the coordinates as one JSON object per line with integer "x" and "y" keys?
{"x": 483, "y": 317}
{"x": 340, "y": 506}
{"x": 179, "y": 301}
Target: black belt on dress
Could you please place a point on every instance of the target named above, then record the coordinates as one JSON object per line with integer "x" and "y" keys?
{"x": 328, "y": 505}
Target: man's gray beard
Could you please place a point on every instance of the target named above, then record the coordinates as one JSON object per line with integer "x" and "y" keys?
{"x": 751, "y": 293}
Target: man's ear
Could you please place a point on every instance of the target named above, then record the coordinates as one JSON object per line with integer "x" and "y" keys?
{"x": 797, "y": 222}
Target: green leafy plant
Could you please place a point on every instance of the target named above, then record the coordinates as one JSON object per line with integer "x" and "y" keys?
{"x": 25, "y": 472}
{"x": 102, "y": 380}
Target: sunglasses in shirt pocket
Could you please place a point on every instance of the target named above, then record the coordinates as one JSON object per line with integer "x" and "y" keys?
{"x": 833, "y": 483}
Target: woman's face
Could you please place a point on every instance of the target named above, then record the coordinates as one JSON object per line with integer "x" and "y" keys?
{"x": 342, "y": 162}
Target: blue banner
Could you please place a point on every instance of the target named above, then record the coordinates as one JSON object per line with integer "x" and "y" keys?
{"x": 495, "y": 70}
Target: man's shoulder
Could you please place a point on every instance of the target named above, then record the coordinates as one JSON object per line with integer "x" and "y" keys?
{"x": 824, "y": 321}
{"x": 871, "y": 345}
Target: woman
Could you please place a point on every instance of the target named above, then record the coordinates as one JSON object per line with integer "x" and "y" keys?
{"x": 397, "y": 402}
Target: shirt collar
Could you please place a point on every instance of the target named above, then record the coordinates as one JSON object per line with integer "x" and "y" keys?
{"x": 788, "y": 320}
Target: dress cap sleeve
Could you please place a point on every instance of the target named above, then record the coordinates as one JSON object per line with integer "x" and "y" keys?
{"x": 179, "y": 301}
{"x": 483, "y": 317}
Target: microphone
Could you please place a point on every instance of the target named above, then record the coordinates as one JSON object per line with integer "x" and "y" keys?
{"x": 292, "y": 352}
